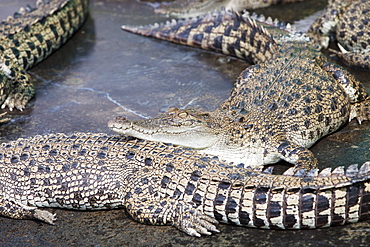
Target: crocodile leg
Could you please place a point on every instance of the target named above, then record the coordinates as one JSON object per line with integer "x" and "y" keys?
{"x": 320, "y": 29}
{"x": 360, "y": 59}
{"x": 175, "y": 212}
{"x": 21, "y": 88}
{"x": 19, "y": 211}
{"x": 353, "y": 34}
{"x": 28, "y": 38}
{"x": 301, "y": 157}
{"x": 359, "y": 98}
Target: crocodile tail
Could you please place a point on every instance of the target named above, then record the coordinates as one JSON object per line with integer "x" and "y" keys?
{"x": 28, "y": 16}
{"x": 301, "y": 200}
{"x": 32, "y": 34}
{"x": 224, "y": 31}
{"x": 341, "y": 196}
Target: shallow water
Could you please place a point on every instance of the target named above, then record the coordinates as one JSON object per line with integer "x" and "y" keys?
{"x": 103, "y": 72}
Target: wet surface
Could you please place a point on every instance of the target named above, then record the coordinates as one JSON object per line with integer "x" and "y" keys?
{"x": 103, "y": 72}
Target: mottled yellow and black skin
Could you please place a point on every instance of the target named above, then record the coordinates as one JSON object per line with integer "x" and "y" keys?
{"x": 160, "y": 184}
{"x": 221, "y": 32}
{"x": 350, "y": 21}
{"x": 193, "y": 8}
{"x": 29, "y": 37}
{"x": 277, "y": 109}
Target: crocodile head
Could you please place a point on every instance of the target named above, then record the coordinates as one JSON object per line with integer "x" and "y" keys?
{"x": 188, "y": 128}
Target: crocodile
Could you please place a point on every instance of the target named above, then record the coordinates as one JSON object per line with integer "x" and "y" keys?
{"x": 350, "y": 20}
{"x": 161, "y": 184}
{"x": 27, "y": 38}
{"x": 278, "y": 107}
{"x": 192, "y": 8}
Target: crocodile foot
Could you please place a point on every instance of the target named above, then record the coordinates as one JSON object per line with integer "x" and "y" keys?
{"x": 360, "y": 111}
{"x": 17, "y": 100}
{"x": 17, "y": 210}
{"x": 360, "y": 59}
{"x": 44, "y": 216}
{"x": 194, "y": 223}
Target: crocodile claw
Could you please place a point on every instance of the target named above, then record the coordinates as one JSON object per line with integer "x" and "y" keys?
{"x": 195, "y": 223}
{"x": 360, "y": 111}
{"x": 16, "y": 101}
{"x": 45, "y": 216}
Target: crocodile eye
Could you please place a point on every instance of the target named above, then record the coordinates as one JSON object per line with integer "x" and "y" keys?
{"x": 182, "y": 114}
{"x": 172, "y": 110}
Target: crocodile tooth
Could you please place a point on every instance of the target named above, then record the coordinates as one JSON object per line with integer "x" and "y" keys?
{"x": 9, "y": 18}
{"x": 289, "y": 172}
{"x": 312, "y": 173}
{"x": 352, "y": 170}
{"x": 282, "y": 25}
{"x": 300, "y": 173}
{"x": 365, "y": 168}
{"x": 276, "y": 22}
{"x": 268, "y": 170}
{"x": 325, "y": 172}
{"x": 338, "y": 171}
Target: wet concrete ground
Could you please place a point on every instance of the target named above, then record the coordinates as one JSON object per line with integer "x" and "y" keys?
{"x": 103, "y": 72}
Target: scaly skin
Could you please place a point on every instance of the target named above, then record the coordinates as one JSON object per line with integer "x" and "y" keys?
{"x": 192, "y": 8}
{"x": 277, "y": 109}
{"x": 28, "y": 38}
{"x": 164, "y": 185}
{"x": 350, "y": 21}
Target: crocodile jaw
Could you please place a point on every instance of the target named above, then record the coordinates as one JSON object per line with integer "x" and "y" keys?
{"x": 192, "y": 137}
